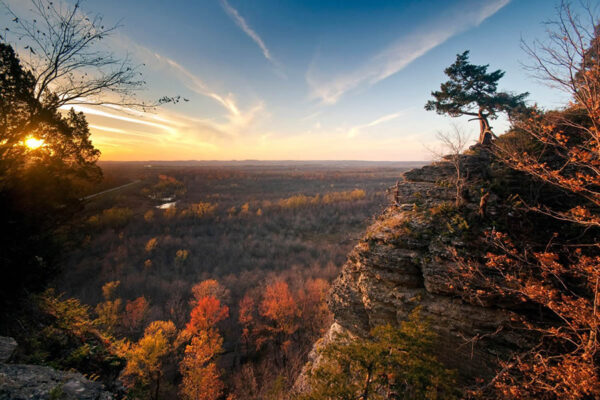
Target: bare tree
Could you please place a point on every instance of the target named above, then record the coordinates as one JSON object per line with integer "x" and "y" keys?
{"x": 567, "y": 60}
{"x": 453, "y": 144}
{"x": 61, "y": 46}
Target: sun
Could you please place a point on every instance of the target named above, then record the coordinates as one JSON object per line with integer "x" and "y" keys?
{"x": 33, "y": 143}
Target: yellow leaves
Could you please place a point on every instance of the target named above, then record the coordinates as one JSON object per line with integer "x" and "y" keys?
{"x": 336, "y": 197}
{"x": 245, "y": 209}
{"x": 298, "y": 201}
{"x": 301, "y": 200}
{"x": 145, "y": 357}
{"x": 165, "y": 328}
{"x": 149, "y": 216}
{"x": 181, "y": 256}
{"x": 109, "y": 289}
{"x": 200, "y": 376}
{"x": 151, "y": 244}
{"x": 200, "y": 210}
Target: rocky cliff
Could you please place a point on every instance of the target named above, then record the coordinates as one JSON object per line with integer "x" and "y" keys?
{"x": 36, "y": 382}
{"x": 402, "y": 262}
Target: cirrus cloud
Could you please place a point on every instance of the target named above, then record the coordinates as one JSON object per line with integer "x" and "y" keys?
{"x": 402, "y": 52}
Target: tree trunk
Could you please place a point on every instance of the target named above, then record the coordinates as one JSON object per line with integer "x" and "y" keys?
{"x": 156, "y": 391}
{"x": 485, "y": 134}
{"x": 365, "y": 394}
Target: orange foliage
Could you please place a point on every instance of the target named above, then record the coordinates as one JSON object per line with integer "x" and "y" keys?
{"x": 207, "y": 313}
{"x": 246, "y": 318}
{"x": 279, "y": 306}
{"x": 313, "y": 306}
{"x": 209, "y": 287}
{"x": 561, "y": 280}
{"x": 135, "y": 313}
{"x": 200, "y": 376}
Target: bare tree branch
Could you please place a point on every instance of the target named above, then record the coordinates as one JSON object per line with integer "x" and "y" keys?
{"x": 62, "y": 46}
{"x": 453, "y": 144}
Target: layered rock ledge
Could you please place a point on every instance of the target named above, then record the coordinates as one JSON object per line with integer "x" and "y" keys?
{"x": 399, "y": 265}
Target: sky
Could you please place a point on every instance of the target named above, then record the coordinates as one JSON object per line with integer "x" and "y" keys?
{"x": 304, "y": 80}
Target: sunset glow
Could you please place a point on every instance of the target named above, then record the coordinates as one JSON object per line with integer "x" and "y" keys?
{"x": 345, "y": 81}
{"x": 300, "y": 199}
{"x": 33, "y": 143}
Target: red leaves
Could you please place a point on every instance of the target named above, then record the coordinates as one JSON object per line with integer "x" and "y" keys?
{"x": 207, "y": 313}
{"x": 279, "y": 306}
{"x": 135, "y": 313}
{"x": 201, "y": 378}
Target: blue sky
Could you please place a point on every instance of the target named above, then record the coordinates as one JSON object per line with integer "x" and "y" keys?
{"x": 305, "y": 79}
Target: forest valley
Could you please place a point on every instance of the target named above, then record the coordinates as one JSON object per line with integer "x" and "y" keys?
{"x": 208, "y": 281}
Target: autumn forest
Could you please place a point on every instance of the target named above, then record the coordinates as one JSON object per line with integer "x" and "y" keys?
{"x": 167, "y": 236}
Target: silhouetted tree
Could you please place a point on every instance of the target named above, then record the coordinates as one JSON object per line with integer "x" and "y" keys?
{"x": 61, "y": 49}
{"x": 47, "y": 162}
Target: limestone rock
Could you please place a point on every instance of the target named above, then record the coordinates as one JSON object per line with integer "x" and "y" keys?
{"x": 7, "y": 348}
{"x": 335, "y": 330}
{"x": 35, "y": 382}
{"x": 398, "y": 266}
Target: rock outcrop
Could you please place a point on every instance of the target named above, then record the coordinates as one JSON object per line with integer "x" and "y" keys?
{"x": 36, "y": 382}
{"x": 400, "y": 264}
{"x": 7, "y": 348}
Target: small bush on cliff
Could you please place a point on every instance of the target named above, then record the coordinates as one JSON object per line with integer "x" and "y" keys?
{"x": 391, "y": 363}
{"x": 60, "y": 333}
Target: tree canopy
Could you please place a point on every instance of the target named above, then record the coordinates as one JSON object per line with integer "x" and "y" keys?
{"x": 472, "y": 90}
{"x": 390, "y": 363}
{"x": 47, "y": 161}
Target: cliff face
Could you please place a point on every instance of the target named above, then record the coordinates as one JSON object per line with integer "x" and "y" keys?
{"x": 400, "y": 264}
{"x": 36, "y": 382}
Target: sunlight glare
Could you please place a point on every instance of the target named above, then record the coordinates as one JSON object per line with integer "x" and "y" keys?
{"x": 33, "y": 143}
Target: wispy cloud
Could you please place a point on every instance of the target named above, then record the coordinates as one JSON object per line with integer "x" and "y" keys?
{"x": 237, "y": 118}
{"x": 241, "y": 22}
{"x": 197, "y": 85}
{"x": 356, "y": 130}
{"x": 125, "y": 118}
{"x": 405, "y": 50}
{"x": 112, "y": 125}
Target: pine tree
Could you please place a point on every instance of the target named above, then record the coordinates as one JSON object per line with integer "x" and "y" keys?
{"x": 472, "y": 91}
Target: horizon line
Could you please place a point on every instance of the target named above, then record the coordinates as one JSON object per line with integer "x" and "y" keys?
{"x": 278, "y": 160}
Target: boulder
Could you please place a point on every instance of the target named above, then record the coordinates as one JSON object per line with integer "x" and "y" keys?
{"x": 36, "y": 382}
{"x": 7, "y": 348}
